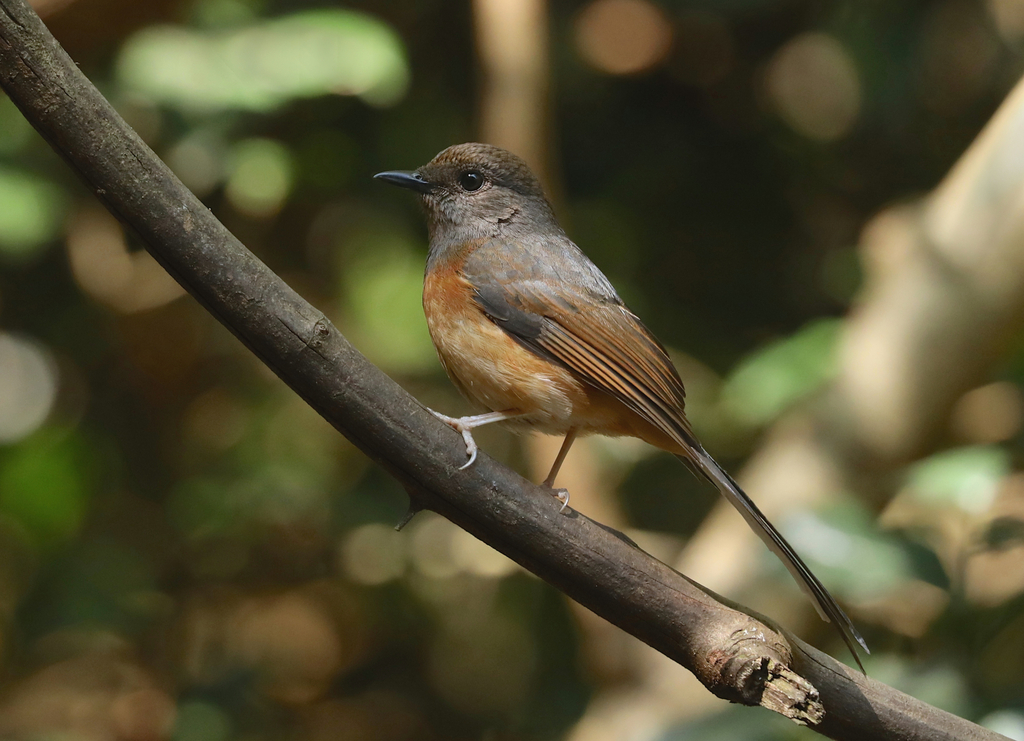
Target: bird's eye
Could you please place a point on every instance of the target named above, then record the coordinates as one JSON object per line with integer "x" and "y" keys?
{"x": 471, "y": 180}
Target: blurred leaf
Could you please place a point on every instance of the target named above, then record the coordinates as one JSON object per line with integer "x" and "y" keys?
{"x": 261, "y": 176}
{"x": 32, "y": 213}
{"x": 859, "y": 560}
{"x": 384, "y": 286}
{"x": 264, "y": 66}
{"x": 965, "y": 477}
{"x": 201, "y": 721}
{"x": 45, "y": 482}
{"x": 1008, "y": 722}
{"x": 17, "y": 131}
{"x": 775, "y": 377}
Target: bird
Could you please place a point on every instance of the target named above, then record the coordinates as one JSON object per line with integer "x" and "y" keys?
{"x": 528, "y": 328}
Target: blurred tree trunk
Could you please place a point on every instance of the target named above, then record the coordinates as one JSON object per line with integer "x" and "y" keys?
{"x": 512, "y": 44}
{"x": 943, "y": 297}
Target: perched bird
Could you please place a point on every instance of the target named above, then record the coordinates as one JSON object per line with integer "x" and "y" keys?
{"x": 530, "y": 329}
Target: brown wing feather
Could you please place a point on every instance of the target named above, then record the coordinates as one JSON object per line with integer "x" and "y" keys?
{"x": 607, "y": 346}
{"x": 612, "y": 350}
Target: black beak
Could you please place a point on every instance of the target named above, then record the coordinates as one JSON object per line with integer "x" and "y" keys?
{"x": 405, "y": 179}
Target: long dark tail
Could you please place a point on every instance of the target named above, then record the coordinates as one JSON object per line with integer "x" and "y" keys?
{"x": 825, "y": 604}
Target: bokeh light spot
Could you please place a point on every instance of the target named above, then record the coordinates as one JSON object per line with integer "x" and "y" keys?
{"x": 814, "y": 86}
{"x": 28, "y": 386}
{"x": 623, "y": 37}
{"x": 474, "y": 556}
{"x": 1010, "y": 723}
{"x": 374, "y": 554}
{"x": 384, "y": 287}
{"x": 31, "y": 216}
{"x": 989, "y": 414}
{"x": 261, "y": 177}
{"x": 198, "y": 161}
{"x": 431, "y": 543}
{"x": 1008, "y": 16}
{"x": 291, "y": 641}
{"x": 107, "y": 271}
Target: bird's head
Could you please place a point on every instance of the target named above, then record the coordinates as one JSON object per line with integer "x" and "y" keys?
{"x": 473, "y": 191}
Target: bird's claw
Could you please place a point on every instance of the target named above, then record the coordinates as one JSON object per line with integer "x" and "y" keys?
{"x": 467, "y": 435}
{"x": 470, "y": 448}
{"x": 562, "y": 495}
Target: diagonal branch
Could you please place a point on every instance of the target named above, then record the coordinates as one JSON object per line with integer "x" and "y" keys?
{"x": 735, "y": 655}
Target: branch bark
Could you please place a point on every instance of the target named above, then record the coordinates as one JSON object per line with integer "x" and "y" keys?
{"x": 736, "y": 656}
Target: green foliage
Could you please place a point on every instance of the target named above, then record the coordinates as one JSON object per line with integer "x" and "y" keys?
{"x": 383, "y": 284}
{"x": 261, "y": 176}
{"x": 845, "y": 548}
{"x": 782, "y": 373}
{"x": 263, "y": 66}
{"x": 201, "y": 721}
{"x": 31, "y": 216}
{"x": 17, "y": 132}
{"x": 46, "y": 482}
{"x": 967, "y": 478}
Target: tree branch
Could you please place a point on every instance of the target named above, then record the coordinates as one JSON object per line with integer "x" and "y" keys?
{"x": 735, "y": 655}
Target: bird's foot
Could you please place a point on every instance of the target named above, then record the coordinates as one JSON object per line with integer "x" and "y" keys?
{"x": 465, "y": 425}
{"x": 460, "y": 425}
{"x": 562, "y": 495}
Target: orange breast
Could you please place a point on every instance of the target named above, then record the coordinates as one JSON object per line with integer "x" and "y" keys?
{"x": 490, "y": 368}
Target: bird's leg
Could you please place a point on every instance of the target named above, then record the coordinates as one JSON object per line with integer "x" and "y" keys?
{"x": 562, "y": 495}
{"x": 465, "y": 425}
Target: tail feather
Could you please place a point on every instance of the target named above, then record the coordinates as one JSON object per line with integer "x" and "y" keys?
{"x": 824, "y": 603}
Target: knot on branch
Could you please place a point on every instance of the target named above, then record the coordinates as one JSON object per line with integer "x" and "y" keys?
{"x": 321, "y": 331}
{"x": 751, "y": 667}
{"x": 309, "y": 326}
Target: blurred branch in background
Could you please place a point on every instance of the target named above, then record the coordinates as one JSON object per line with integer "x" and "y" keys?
{"x": 512, "y": 42}
{"x": 942, "y": 298}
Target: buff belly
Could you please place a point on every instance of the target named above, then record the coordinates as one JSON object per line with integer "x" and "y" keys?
{"x": 494, "y": 371}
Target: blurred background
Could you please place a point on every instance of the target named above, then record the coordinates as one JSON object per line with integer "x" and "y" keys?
{"x": 190, "y": 553}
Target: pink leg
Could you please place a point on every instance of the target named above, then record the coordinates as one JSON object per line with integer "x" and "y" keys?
{"x": 465, "y": 425}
